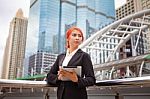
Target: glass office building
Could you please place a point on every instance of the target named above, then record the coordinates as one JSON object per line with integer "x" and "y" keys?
{"x": 92, "y": 15}
{"x": 49, "y": 20}
{"x": 33, "y": 28}
{"x": 49, "y": 26}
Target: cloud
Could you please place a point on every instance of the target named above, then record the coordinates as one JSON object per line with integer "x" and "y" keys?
{"x": 119, "y": 3}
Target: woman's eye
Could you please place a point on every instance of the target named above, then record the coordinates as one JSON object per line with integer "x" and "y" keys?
{"x": 79, "y": 35}
{"x": 74, "y": 35}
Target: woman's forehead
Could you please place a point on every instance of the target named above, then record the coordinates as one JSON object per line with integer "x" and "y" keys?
{"x": 76, "y": 31}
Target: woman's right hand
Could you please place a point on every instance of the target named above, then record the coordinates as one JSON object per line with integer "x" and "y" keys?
{"x": 67, "y": 74}
{"x": 60, "y": 77}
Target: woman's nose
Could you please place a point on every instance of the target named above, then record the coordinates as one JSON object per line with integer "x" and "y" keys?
{"x": 77, "y": 37}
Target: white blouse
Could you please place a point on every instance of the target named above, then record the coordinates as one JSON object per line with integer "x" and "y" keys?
{"x": 68, "y": 57}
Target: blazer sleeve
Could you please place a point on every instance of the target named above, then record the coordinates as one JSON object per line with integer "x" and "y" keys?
{"x": 52, "y": 77}
{"x": 89, "y": 78}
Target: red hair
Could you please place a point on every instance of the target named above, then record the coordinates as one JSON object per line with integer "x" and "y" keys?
{"x": 69, "y": 31}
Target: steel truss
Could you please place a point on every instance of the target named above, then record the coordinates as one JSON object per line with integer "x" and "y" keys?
{"x": 104, "y": 45}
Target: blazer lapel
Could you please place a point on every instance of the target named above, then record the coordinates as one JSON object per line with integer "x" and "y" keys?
{"x": 75, "y": 57}
{"x": 62, "y": 59}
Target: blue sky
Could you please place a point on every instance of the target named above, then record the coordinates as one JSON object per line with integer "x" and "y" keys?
{"x": 8, "y": 11}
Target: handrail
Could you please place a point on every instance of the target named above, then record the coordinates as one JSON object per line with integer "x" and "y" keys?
{"x": 113, "y": 70}
{"x": 43, "y": 84}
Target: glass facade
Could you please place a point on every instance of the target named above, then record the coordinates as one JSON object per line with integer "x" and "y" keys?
{"x": 33, "y": 28}
{"x": 49, "y": 26}
{"x": 68, "y": 17}
{"x": 54, "y": 17}
{"x": 105, "y": 12}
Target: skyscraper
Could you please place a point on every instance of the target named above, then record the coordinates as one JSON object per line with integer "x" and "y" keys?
{"x": 33, "y": 28}
{"x": 15, "y": 47}
{"x": 49, "y": 20}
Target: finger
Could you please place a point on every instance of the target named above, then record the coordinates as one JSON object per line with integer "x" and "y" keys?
{"x": 60, "y": 68}
{"x": 58, "y": 73}
{"x": 59, "y": 77}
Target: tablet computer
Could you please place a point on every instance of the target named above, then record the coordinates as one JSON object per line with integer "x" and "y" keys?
{"x": 77, "y": 69}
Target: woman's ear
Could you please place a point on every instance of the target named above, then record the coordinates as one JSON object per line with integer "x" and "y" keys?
{"x": 67, "y": 40}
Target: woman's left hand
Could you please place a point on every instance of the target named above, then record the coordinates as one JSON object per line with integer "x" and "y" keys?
{"x": 70, "y": 75}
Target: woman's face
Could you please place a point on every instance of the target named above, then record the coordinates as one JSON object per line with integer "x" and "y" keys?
{"x": 75, "y": 39}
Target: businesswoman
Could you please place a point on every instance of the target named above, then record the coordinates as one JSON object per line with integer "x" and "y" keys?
{"x": 75, "y": 86}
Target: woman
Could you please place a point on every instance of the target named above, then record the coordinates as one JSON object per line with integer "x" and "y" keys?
{"x": 75, "y": 86}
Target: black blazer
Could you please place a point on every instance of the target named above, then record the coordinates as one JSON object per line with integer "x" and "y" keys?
{"x": 69, "y": 89}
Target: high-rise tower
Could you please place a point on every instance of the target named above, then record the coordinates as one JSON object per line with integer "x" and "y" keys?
{"x": 15, "y": 47}
{"x": 49, "y": 20}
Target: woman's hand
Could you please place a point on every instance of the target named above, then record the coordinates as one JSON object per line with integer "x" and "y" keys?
{"x": 68, "y": 74}
{"x": 60, "y": 76}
